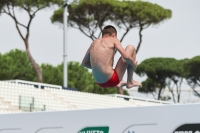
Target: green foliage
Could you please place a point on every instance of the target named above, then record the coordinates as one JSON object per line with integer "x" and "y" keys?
{"x": 86, "y": 12}
{"x": 79, "y": 77}
{"x": 89, "y": 12}
{"x": 15, "y": 65}
{"x": 125, "y": 92}
{"x": 139, "y": 13}
{"x": 2, "y": 4}
{"x": 90, "y": 15}
{"x": 161, "y": 73}
{"x": 158, "y": 68}
{"x": 51, "y": 74}
{"x": 31, "y": 3}
{"x": 148, "y": 85}
{"x": 57, "y": 16}
{"x": 192, "y": 70}
{"x": 28, "y": 5}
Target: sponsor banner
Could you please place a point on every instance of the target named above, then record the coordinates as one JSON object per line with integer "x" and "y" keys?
{"x": 95, "y": 130}
{"x": 188, "y": 128}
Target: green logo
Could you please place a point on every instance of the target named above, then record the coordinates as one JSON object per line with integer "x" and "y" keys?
{"x": 95, "y": 130}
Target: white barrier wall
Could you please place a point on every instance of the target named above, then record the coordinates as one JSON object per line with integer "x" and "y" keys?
{"x": 151, "y": 119}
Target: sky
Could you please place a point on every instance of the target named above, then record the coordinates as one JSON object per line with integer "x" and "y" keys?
{"x": 178, "y": 37}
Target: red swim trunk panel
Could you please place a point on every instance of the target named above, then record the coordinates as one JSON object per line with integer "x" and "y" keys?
{"x": 112, "y": 82}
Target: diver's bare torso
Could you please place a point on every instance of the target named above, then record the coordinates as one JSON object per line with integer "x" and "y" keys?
{"x": 102, "y": 57}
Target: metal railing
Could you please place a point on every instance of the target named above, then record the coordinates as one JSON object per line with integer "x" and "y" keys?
{"x": 35, "y": 84}
{"x": 28, "y": 104}
{"x": 128, "y": 98}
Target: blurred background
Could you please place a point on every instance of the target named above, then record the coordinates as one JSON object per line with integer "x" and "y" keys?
{"x": 165, "y": 33}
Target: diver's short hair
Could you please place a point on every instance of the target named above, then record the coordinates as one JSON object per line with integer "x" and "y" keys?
{"x": 109, "y": 29}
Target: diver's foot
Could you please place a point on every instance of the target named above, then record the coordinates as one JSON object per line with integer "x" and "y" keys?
{"x": 133, "y": 84}
{"x": 121, "y": 84}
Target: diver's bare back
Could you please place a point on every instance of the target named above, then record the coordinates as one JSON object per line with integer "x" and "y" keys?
{"x": 101, "y": 58}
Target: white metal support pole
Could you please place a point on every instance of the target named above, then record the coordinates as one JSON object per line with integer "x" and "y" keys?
{"x": 65, "y": 17}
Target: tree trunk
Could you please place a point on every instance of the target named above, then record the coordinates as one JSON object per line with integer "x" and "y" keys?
{"x": 159, "y": 93}
{"x": 140, "y": 41}
{"x": 120, "y": 90}
{"x": 197, "y": 94}
{"x": 171, "y": 90}
{"x": 10, "y": 8}
{"x": 179, "y": 92}
{"x": 34, "y": 65}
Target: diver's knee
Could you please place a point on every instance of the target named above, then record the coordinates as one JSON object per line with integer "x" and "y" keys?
{"x": 130, "y": 47}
